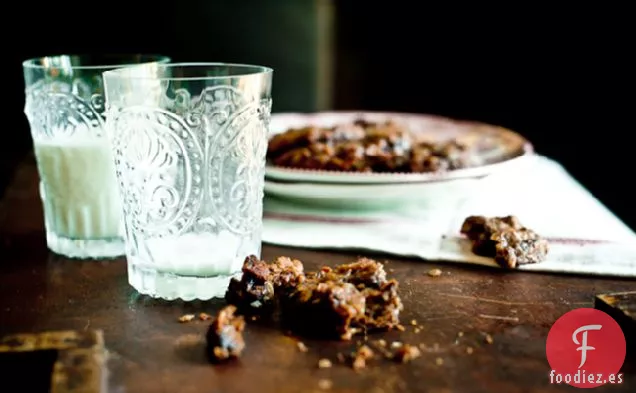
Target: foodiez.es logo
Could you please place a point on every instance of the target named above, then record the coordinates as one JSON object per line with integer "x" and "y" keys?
{"x": 585, "y": 348}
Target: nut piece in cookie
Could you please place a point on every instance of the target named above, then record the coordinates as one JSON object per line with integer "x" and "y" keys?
{"x": 519, "y": 247}
{"x": 225, "y": 335}
{"x": 364, "y": 272}
{"x": 296, "y": 138}
{"x": 286, "y": 272}
{"x": 505, "y": 239}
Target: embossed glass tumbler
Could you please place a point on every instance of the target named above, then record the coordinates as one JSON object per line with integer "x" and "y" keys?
{"x": 78, "y": 188}
{"x": 189, "y": 144}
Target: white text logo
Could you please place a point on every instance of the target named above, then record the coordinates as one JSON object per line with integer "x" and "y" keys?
{"x": 583, "y": 344}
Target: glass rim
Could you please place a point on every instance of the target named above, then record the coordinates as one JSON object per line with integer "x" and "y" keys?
{"x": 35, "y": 63}
{"x": 249, "y": 70}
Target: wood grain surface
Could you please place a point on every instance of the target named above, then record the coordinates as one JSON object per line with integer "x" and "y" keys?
{"x": 503, "y": 317}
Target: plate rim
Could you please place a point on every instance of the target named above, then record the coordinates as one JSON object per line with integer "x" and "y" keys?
{"x": 338, "y": 192}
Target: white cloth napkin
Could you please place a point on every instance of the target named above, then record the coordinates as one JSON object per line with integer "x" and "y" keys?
{"x": 585, "y": 237}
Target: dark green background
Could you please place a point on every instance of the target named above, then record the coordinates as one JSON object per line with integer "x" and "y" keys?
{"x": 561, "y": 74}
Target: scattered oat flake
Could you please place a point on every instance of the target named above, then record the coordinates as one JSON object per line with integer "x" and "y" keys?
{"x": 301, "y": 346}
{"x": 400, "y": 328}
{"x": 254, "y": 318}
{"x": 325, "y": 384}
{"x": 205, "y": 316}
{"x": 381, "y": 343}
{"x": 324, "y": 363}
{"x": 413, "y": 322}
{"x": 435, "y": 272}
{"x": 489, "y": 339}
{"x": 439, "y": 361}
{"x": 469, "y": 350}
{"x": 186, "y": 318}
{"x": 417, "y": 330}
{"x": 396, "y": 344}
{"x": 460, "y": 334}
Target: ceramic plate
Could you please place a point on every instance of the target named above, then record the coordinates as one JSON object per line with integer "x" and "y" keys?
{"x": 371, "y": 194}
{"x": 505, "y": 147}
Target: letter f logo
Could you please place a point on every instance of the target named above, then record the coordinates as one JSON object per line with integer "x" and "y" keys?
{"x": 583, "y": 344}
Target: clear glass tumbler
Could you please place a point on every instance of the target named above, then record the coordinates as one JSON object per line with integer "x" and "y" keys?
{"x": 78, "y": 187}
{"x": 189, "y": 144}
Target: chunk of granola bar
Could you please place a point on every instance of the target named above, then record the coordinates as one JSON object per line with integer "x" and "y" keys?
{"x": 324, "y": 309}
{"x": 505, "y": 239}
{"x": 255, "y": 292}
{"x": 225, "y": 335}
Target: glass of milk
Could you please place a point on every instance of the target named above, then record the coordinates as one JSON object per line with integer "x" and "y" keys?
{"x": 78, "y": 186}
{"x": 189, "y": 143}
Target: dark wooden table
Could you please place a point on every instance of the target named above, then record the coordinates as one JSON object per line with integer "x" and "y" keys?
{"x": 152, "y": 352}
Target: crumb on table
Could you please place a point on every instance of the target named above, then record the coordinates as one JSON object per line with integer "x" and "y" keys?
{"x": 361, "y": 356}
{"x": 434, "y": 273}
{"x": 324, "y": 363}
{"x": 406, "y": 353}
{"x": 186, "y": 318}
{"x": 301, "y": 346}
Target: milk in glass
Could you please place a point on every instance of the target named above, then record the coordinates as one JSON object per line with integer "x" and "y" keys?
{"x": 79, "y": 190}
